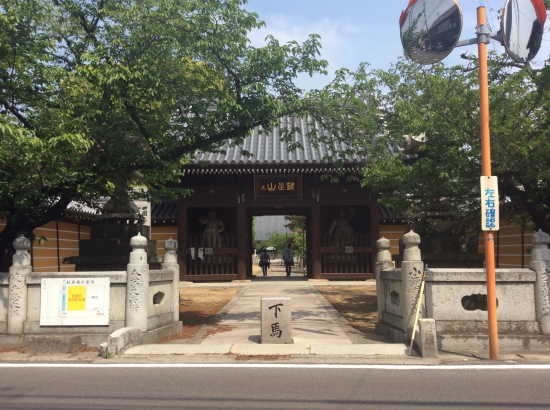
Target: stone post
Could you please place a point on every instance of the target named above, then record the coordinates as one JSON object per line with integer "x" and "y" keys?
{"x": 137, "y": 287}
{"x": 276, "y": 320}
{"x": 170, "y": 262}
{"x": 383, "y": 262}
{"x": 540, "y": 263}
{"x": 17, "y": 293}
{"x": 411, "y": 277}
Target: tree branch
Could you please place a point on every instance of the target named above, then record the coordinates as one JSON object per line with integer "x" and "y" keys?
{"x": 17, "y": 114}
{"x": 211, "y": 140}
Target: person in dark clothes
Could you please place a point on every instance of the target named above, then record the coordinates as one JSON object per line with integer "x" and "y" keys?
{"x": 287, "y": 258}
{"x": 265, "y": 261}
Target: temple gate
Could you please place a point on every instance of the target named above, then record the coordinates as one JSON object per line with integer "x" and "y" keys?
{"x": 215, "y": 222}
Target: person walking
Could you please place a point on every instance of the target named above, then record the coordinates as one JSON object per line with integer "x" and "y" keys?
{"x": 288, "y": 259}
{"x": 265, "y": 261}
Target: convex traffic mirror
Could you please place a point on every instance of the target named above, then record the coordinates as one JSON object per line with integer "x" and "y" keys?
{"x": 522, "y": 27}
{"x": 430, "y": 29}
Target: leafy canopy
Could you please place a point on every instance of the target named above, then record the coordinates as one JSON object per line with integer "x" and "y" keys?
{"x": 98, "y": 95}
{"x": 443, "y": 103}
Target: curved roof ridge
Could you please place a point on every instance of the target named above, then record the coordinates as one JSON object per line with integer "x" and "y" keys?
{"x": 267, "y": 147}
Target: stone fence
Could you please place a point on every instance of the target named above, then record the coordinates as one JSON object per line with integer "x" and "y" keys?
{"x": 453, "y": 311}
{"x": 143, "y": 304}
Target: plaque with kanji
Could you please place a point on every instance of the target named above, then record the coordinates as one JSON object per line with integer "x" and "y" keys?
{"x": 277, "y": 187}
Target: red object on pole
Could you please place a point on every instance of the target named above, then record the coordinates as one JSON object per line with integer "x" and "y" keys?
{"x": 486, "y": 171}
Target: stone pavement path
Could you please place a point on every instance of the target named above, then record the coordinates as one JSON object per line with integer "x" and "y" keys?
{"x": 314, "y": 320}
{"x": 311, "y": 321}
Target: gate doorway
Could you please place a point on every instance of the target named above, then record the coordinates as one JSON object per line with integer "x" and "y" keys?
{"x": 275, "y": 231}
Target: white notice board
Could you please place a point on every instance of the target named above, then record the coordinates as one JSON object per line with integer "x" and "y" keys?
{"x": 74, "y": 301}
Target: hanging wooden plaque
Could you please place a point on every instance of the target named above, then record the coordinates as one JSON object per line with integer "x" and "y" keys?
{"x": 278, "y": 186}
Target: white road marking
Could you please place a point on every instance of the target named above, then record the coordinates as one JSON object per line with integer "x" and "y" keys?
{"x": 280, "y": 366}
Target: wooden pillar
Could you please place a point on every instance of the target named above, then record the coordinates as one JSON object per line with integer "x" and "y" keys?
{"x": 242, "y": 242}
{"x": 182, "y": 239}
{"x": 316, "y": 241}
{"x": 374, "y": 234}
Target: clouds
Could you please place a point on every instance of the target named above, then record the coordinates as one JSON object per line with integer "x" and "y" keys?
{"x": 355, "y": 31}
{"x": 337, "y": 40}
{"x": 352, "y": 31}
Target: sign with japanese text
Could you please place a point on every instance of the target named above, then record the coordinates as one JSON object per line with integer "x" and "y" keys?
{"x": 489, "y": 204}
{"x": 276, "y": 320}
{"x": 277, "y": 186}
{"x": 74, "y": 301}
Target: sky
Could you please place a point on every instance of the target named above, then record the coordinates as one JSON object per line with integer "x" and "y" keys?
{"x": 355, "y": 31}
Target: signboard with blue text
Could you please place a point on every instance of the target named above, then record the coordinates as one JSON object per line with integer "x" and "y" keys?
{"x": 74, "y": 301}
{"x": 489, "y": 204}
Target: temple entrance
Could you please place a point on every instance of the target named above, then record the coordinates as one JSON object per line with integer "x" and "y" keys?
{"x": 275, "y": 232}
{"x": 277, "y": 172}
{"x": 216, "y": 236}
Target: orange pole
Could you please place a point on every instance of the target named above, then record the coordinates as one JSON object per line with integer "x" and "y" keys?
{"x": 486, "y": 171}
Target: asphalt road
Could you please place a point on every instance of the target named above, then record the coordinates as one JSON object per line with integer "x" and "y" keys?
{"x": 286, "y": 387}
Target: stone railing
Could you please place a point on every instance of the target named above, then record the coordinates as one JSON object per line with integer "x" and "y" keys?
{"x": 453, "y": 312}
{"x": 143, "y": 303}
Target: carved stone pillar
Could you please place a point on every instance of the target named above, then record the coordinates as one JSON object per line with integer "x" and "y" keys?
{"x": 383, "y": 262}
{"x": 540, "y": 263}
{"x": 170, "y": 262}
{"x": 137, "y": 287}
{"x": 17, "y": 293}
{"x": 412, "y": 269}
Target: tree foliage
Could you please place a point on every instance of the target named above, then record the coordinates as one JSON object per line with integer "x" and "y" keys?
{"x": 443, "y": 103}
{"x": 276, "y": 240}
{"x": 104, "y": 93}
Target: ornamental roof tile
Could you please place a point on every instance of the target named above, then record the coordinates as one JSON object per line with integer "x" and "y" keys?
{"x": 266, "y": 147}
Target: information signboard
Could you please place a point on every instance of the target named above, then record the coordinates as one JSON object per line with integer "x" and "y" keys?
{"x": 489, "y": 204}
{"x": 74, "y": 301}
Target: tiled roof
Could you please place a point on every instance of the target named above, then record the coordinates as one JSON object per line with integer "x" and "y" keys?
{"x": 267, "y": 148}
{"x": 164, "y": 210}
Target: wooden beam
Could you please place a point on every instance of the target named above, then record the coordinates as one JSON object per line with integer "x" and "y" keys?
{"x": 242, "y": 248}
{"x": 315, "y": 241}
{"x": 199, "y": 278}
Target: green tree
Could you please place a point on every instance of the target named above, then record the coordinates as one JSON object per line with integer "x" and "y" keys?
{"x": 443, "y": 103}
{"x": 297, "y": 224}
{"x": 277, "y": 240}
{"x": 98, "y": 95}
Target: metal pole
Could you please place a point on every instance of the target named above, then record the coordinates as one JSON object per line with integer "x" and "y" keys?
{"x": 486, "y": 171}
